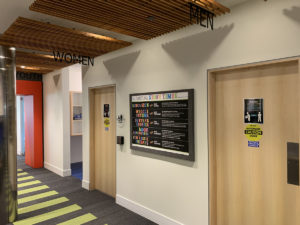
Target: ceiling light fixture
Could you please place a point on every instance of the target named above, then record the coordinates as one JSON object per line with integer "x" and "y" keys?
{"x": 12, "y": 49}
{"x": 151, "y": 18}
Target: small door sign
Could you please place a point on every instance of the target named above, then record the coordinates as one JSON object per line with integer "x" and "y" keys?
{"x": 106, "y": 111}
{"x": 253, "y": 132}
{"x": 253, "y": 111}
{"x": 253, "y": 144}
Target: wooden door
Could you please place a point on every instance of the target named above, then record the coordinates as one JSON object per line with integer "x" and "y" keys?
{"x": 103, "y": 140}
{"x": 249, "y": 185}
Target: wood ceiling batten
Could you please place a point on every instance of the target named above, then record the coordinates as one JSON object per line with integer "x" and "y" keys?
{"x": 143, "y": 19}
{"x": 37, "y": 63}
{"x": 35, "y": 35}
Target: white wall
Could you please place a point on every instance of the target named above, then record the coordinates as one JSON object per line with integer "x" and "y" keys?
{"x": 171, "y": 191}
{"x": 57, "y": 122}
{"x": 75, "y": 77}
{"x": 60, "y": 149}
{"x": 75, "y": 81}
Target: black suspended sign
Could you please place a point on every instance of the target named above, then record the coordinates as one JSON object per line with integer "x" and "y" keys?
{"x": 200, "y": 15}
{"x": 163, "y": 123}
{"x": 73, "y": 58}
{"x": 29, "y": 76}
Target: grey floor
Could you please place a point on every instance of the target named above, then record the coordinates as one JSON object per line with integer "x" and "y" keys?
{"x": 95, "y": 202}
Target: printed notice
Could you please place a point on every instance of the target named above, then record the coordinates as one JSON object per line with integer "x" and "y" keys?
{"x": 163, "y": 123}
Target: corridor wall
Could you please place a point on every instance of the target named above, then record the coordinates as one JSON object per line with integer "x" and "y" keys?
{"x": 167, "y": 190}
{"x": 57, "y": 86}
{"x": 75, "y": 81}
{"x": 34, "y": 133}
{"x": 56, "y": 122}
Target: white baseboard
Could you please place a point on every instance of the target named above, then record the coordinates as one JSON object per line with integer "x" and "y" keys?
{"x": 58, "y": 171}
{"x": 146, "y": 212}
{"x": 86, "y": 184}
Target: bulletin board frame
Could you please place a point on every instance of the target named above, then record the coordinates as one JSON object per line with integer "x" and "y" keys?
{"x": 190, "y": 153}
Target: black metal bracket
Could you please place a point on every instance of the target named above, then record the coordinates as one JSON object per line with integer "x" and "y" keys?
{"x": 201, "y": 14}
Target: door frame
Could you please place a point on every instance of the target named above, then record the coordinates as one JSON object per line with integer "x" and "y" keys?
{"x": 91, "y": 134}
{"x": 211, "y": 114}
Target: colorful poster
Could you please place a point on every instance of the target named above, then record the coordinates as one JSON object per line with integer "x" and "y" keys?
{"x": 163, "y": 123}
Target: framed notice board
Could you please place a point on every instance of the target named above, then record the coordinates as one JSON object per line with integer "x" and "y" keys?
{"x": 163, "y": 123}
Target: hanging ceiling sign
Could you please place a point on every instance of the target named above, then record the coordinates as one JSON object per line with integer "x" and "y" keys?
{"x": 200, "y": 15}
{"x": 73, "y": 58}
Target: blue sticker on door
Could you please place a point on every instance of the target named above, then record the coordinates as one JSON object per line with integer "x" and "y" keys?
{"x": 253, "y": 144}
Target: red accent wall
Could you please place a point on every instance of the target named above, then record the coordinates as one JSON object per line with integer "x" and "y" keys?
{"x": 34, "y": 153}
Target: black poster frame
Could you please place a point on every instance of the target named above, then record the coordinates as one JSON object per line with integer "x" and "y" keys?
{"x": 191, "y": 134}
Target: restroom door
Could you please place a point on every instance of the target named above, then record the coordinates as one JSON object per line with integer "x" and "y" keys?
{"x": 249, "y": 185}
{"x": 103, "y": 140}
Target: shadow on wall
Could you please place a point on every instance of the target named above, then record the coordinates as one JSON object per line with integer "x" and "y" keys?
{"x": 293, "y": 13}
{"x": 121, "y": 65}
{"x": 195, "y": 49}
{"x": 56, "y": 79}
{"x": 164, "y": 158}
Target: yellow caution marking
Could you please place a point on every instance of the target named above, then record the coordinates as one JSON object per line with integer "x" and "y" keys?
{"x": 36, "y": 197}
{"x": 22, "y": 174}
{"x": 19, "y": 170}
{"x": 42, "y": 205}
{"x": 48, "y": 216}
{"x": 25, "y": 178}
{"x": 30, "y": 190}
{"x": 29, "y": 183}
{"x": 80, "y": 220}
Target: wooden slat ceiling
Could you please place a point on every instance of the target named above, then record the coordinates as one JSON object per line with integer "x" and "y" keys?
{"x": 37, "y": 63}
{"x": 35, "y": 35}
{"x": 143, "y": 19}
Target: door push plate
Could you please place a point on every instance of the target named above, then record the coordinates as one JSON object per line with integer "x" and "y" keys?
{"x": 293, "y": 163}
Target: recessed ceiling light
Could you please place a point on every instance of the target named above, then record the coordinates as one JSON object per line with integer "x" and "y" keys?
{"x": 2, "y": 69}
{"x": 12, "y": 49}
{"x": 23, "y": 67}
{"x": 151, "y": 18}
{"x": 2, "y": 57}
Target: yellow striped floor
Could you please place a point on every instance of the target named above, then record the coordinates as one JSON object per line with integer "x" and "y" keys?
{"x": 26, "y": 188}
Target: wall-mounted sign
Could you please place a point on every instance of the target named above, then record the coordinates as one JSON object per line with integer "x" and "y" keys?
{"x": 163, "y": 123}
{"x": 73, "y": 58}
{"x": 253, "y": 132}
{"x": 254, "y": 111}
{"x": 253, "y": 144}
{"x": 106, "y": 123}
{"x": 106, "y": 111}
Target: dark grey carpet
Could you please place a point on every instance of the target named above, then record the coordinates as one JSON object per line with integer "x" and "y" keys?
{"x": 95, "y": 202}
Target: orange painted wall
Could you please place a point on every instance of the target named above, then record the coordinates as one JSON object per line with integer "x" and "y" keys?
{"x": 34, "y": 155}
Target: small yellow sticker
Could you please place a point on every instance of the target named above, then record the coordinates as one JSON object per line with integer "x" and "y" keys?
{"x": 106, "y": 122}
{"x": 253, "y": 132}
